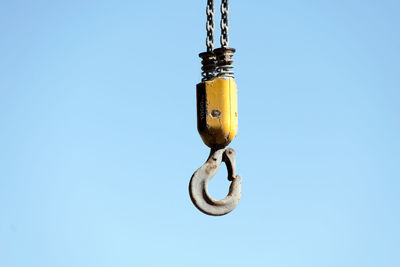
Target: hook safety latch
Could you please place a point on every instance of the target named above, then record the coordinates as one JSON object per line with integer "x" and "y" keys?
{"x": 199, "y": 184}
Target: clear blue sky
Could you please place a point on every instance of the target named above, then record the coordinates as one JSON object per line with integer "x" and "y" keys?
{"x": 98, "y": 135}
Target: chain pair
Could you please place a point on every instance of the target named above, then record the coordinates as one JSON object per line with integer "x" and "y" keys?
{"x": 210, "y": 26}
{"x": 217, "y": 62}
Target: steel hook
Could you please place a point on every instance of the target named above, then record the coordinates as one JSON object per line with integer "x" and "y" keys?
{"x": 199, "y": 183}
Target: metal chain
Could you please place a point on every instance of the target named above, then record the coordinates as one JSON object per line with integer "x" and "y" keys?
{"x": 224, "y": 23}
{"x": 210, "y": 26}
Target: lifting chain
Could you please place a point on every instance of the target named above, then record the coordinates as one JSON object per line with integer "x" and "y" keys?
{"x": 210, "y": 26}
{"x": 224, "y": 23}
{"x": 217, "y": 117}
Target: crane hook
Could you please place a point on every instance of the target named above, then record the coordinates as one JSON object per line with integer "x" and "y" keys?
{"x": 199, "y": 183}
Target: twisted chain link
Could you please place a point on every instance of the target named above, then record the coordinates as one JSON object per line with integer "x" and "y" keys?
{"x": 224, "y": 23}
{"x": 210, "y": 25}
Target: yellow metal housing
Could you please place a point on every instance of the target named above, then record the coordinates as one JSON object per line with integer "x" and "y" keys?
{"x": 217, "y": 117}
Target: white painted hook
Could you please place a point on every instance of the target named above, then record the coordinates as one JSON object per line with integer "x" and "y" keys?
{"x": 200, "y": 179}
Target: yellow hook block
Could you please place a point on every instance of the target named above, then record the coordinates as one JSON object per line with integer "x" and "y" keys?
{"x": 217, "y": 116}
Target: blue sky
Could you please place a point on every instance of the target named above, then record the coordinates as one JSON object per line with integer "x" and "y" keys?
{"x": 98, "y": 135}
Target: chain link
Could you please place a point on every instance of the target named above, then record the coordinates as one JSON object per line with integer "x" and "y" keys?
{"x": 224, "y": 23}
{"x": 210, "y": 25}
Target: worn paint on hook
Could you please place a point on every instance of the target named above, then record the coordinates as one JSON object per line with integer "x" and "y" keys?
{"x": 199, "y": 184}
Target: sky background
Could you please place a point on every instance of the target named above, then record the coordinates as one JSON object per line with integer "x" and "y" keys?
{"x": 98, "y": 136}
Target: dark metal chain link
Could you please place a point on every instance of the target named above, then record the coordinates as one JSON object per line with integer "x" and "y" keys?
{"x": 210, "y": 26}
{"x": 224, "y": 23}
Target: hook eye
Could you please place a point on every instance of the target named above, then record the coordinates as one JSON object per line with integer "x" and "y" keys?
{"x": 199, "y": 183}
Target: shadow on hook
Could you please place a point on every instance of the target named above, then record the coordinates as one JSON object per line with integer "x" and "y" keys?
{"x": 200, "y": 179}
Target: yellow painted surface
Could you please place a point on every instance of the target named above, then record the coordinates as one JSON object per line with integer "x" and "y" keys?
{"x": 217, "y": 111}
